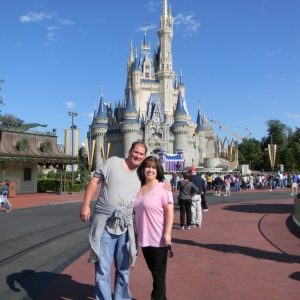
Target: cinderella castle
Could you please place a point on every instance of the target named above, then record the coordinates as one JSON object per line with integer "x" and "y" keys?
{"x": 155, "y": 111}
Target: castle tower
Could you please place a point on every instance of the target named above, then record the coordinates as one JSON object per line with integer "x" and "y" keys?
{"x": 98, "y": 131}
{"x": 135, "y": 81}
{"x": 180, "y": 127}
{"x": 200, "y": 138}
{"x": 130, "y": 126}
{"x": 165, "y": 74}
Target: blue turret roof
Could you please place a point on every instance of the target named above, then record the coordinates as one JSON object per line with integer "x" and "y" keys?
{"x": 136, "y": 64}
{"x": 180, "y": 79}
{"x": 102, "y": 111}
{"x": 199, "y": 121}
{"x": 175, "y": 83}
{"x": 179, "y": 108}
{"x": 129, "y": 103}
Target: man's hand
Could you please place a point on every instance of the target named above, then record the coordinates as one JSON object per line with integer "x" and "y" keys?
{"x": 167, "y": 186}
{"x": 85, "y": 213}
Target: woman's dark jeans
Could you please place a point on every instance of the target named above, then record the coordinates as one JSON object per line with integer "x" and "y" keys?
{"x": 185, "y": 208}
{"x": 156, "y": 259}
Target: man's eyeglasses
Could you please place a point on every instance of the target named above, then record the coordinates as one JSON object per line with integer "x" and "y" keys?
{"x": 170, "y": 252}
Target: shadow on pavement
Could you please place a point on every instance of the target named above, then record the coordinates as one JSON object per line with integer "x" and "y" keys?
{"x": 248, "y": 251}
{"x": 35, "y": 282}
{"x": 295, "y": 276}
{"x": 262, "y": 208}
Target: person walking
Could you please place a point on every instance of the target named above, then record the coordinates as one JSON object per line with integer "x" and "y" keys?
{"x": 295, "y": 180}
{"x": 196, "y": 199}
{"x": 227, "y": 182}
{"x": 209, "y": 181}
{"x": 154, "y": 214}
{"x": 111, "y": 226}
{"x": 218, "y": 184}
{"x": 186, "y": 191}
{"x": 3, "y": 197}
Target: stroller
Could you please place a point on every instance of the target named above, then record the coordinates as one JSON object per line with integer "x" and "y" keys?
{"x": 5, "y": 202}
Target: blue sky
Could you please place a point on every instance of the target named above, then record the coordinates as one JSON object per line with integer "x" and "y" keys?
{"x": 241, "y": 58}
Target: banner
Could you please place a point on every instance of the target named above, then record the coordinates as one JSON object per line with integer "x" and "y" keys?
{"x": 105, "y": 147}
{"x": 272, "y": 154}
{"x": 90, "y": 147}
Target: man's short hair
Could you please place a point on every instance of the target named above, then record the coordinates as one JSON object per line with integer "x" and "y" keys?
{"x": 137, "y": 143}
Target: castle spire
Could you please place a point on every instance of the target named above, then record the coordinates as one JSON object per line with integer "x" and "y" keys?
{"x": 165, "y": 10}
{"x": 145, "y": 29}
{"x": 131, "y": 59}
{"x": 179, "y": 107}
{"x": 129, "y": 103}
{"x": 180, "y": 80}
{"x": 101, "y": 111}
{"x": 199, "y": 120}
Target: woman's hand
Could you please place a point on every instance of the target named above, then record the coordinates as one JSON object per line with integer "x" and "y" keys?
{"x": 167, "y": 238}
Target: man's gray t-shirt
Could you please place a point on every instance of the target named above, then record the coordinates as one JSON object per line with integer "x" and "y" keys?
{"x": 119, "y": 187}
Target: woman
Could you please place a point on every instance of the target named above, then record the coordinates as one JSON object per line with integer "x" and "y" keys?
{"x": 187, "y": 188}
{"x": 154, "y": 213}
{"x": 227, "y": 182}
{"x": 209, "y": 181}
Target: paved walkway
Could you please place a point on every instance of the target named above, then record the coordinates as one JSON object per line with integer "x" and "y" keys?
{"x": 242, "y": 251}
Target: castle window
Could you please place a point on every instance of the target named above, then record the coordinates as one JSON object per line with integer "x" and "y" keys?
{"x": 147, "y": 75}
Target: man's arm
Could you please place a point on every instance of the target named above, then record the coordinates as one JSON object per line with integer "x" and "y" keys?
{"x": 90, "y": 190}
{"x": 202, "y": 186}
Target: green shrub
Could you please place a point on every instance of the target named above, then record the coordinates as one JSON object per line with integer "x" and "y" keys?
{"x": 50, "y": 174}
{"x": 44, "y": 185}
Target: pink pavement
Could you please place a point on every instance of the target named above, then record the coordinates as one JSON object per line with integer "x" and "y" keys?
{"x": 242, "y": 251}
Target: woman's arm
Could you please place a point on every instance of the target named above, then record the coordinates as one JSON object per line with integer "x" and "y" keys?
{"x": 169, "y": 210}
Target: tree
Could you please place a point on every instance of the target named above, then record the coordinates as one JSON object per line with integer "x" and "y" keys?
{"x": 9, "y": 120}
{"x": 278, "y": 133}
{"x": 1, "y": 100}
{"x": 250, "y": 152}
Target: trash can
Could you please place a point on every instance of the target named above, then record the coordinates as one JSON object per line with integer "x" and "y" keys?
{"x": 12, "y": 189}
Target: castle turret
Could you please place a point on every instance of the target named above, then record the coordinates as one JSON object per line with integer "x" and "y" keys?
{"x": 130, "y": 126}
{"x": 165, "y": 74}
{"x": 98, "y": 130}
{"x": 135, "y": 80}
{"x": 200, "y": 138}
{"x": 180, "y": 127}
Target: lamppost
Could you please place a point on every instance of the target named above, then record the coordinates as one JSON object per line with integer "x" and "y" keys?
{"x": 73, "y": 114}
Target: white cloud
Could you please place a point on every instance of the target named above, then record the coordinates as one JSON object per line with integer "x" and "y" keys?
{"x": 293, "y": 116}
{"x": 51, "y": 36}
{"x": 42, "y": 18}
{"x": 66, "y": 22}
{"x": 91, "y": 115}
{"x": 270, "y": 53}
{"x": 152, "y": 7}
{"x": 70, "y": 104}
{"x": 148, "y": 27}
{"x": 53, "y": 28}
{"x": 36, "y": 17}
{"x": 187, "y": 23}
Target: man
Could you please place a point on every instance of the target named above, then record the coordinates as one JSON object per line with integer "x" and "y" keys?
{"x": 196, "y": 199}
{"x": 218, "y": 182}
{"x": 294, "y": 184}
{"x": 111, "y": 229}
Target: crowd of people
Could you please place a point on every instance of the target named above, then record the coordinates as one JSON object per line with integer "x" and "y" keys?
{"x": 236, "y": 182}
